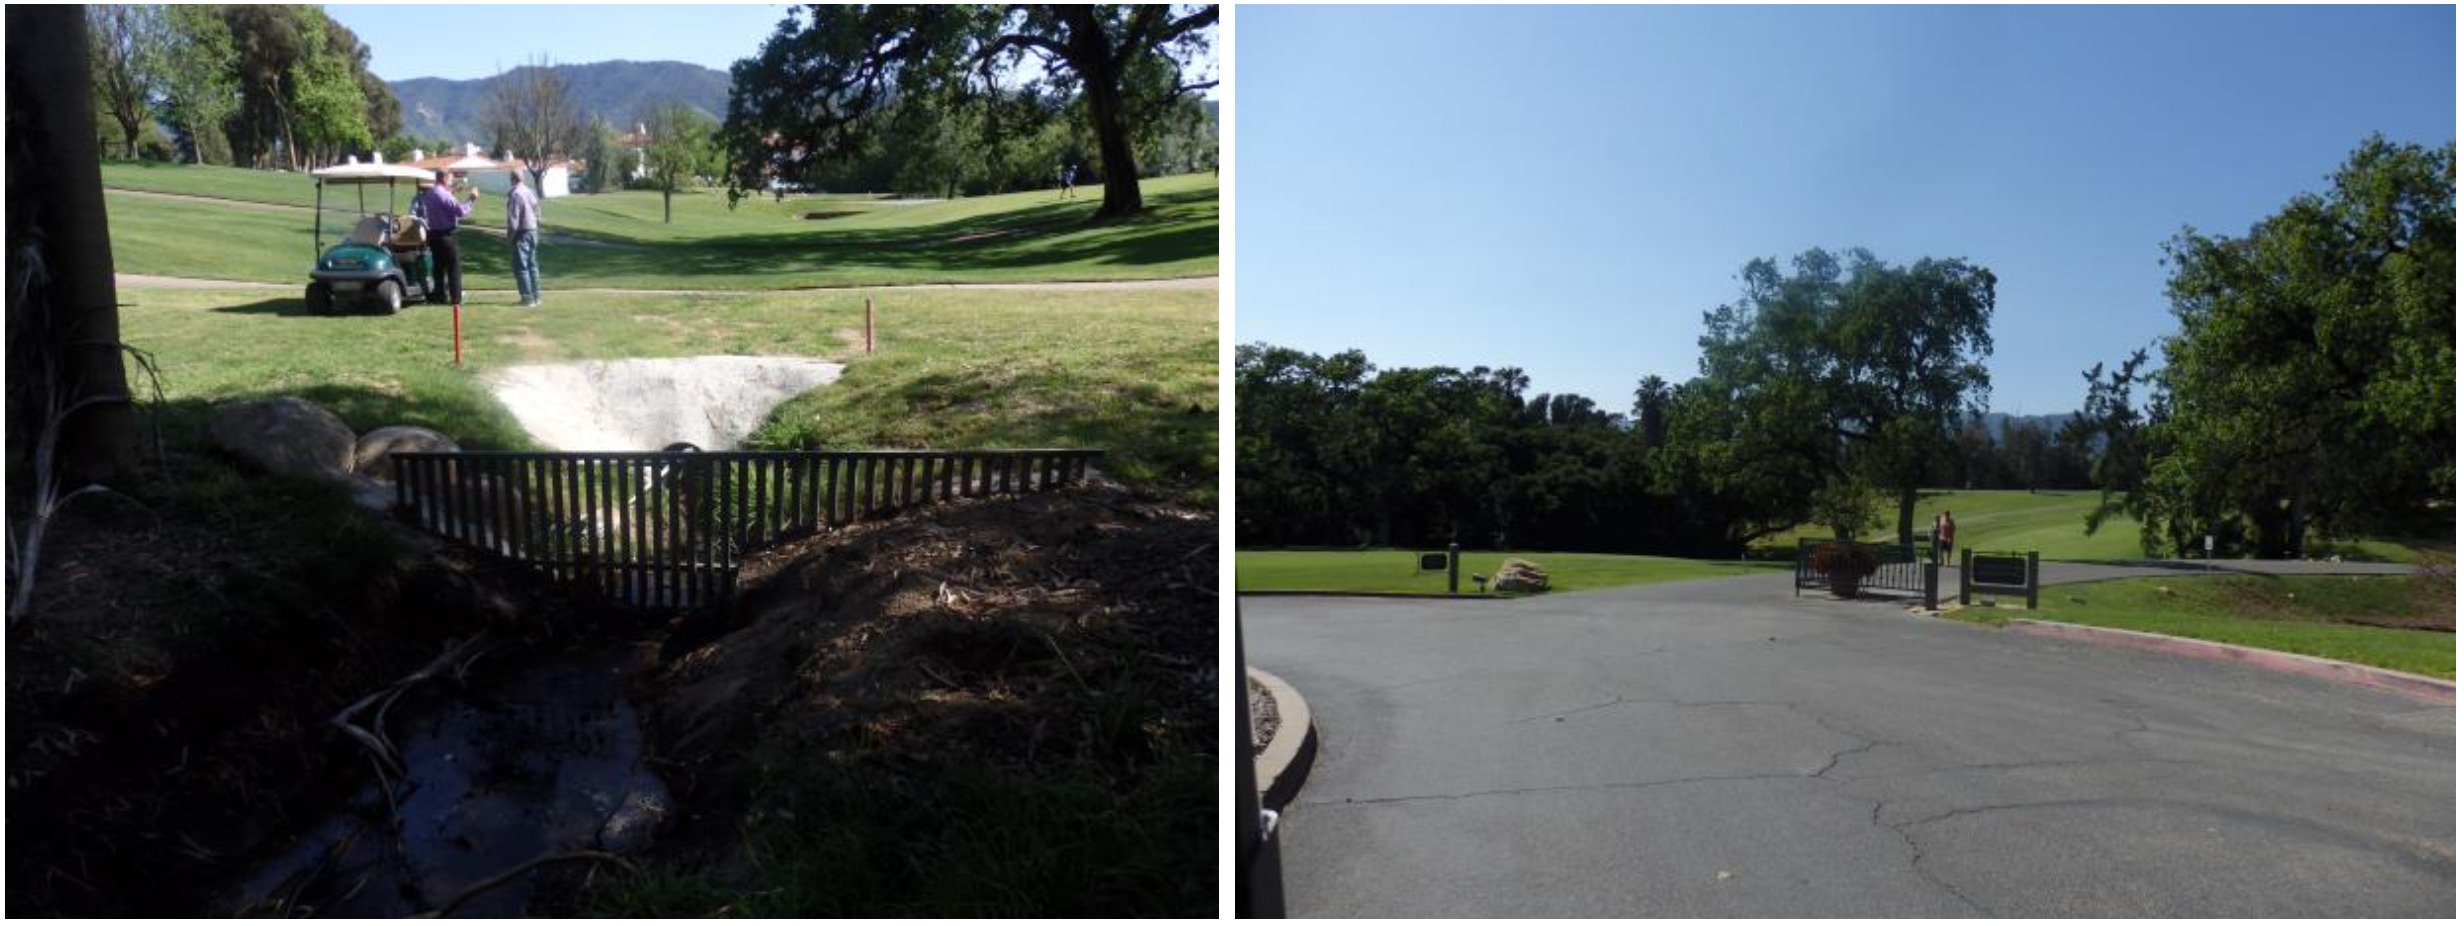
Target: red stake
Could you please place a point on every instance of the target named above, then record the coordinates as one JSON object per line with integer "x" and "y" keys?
{"x": 868, "y": 324}
{"x": 457, "y": 334}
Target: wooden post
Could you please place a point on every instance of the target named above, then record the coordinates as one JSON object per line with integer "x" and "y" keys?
{"x": 1454, "y": 567}
{"x": 868, "y": 324}
{"x": 2031, "y": 580}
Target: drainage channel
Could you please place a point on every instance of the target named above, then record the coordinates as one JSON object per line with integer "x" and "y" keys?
{"x": 528, "y": 760}
{"x": 535, "y": 762}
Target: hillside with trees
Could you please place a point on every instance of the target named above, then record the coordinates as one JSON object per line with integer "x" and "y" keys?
{"x": 621, "y": 92}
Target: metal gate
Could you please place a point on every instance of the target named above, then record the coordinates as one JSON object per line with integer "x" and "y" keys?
{"x": 1889, "y": 567}
{"x": 668, "y": 529}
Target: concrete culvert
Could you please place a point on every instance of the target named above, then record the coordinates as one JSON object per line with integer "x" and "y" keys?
{"x": 710, "y": 402}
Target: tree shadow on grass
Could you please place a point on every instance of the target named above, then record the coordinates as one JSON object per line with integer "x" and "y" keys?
{"x": 290, "y": 307}
{"x": 1055, "y": 234}
{"x": 293, "y": 307}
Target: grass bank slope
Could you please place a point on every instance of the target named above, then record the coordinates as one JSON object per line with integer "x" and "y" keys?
{"x": 951, "y": 369}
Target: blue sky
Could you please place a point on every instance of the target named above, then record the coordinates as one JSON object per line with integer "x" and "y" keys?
{"x": 466, "y": 41}
{"x": 1568, "y": 189}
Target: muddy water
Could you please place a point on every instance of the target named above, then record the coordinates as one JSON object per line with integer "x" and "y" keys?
{"x": 540, "y": 755}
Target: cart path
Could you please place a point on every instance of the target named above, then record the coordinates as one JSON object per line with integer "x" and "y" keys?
{"x": 149, "y": 281}
{"x": 1718, "y": 748}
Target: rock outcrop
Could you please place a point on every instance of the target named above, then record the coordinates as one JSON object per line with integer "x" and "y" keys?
{"x": 1520, "y": 576}
{"x": 286, "y": 436}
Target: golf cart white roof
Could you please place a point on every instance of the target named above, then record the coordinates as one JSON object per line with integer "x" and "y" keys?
{"x": 371, "y": 173}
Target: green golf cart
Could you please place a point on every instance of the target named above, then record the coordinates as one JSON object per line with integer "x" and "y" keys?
{"x": 384, "y": 259}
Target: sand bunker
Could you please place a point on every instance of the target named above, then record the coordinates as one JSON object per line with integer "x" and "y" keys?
{"x": 712, "y": 402}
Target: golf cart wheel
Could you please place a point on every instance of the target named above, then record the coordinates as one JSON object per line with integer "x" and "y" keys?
{"x": 389, "y": 296}
{"x": 320, "y": 299}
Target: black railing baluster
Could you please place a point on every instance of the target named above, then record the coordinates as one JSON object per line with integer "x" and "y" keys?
{"x": 671, "y": 529}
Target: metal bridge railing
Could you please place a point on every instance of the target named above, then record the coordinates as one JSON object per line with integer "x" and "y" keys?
{"x": 668, "y": 529}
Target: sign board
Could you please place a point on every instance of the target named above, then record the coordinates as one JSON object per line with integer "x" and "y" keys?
{"x": 1433, "y": 562}
{"x": 2004, "y": 571}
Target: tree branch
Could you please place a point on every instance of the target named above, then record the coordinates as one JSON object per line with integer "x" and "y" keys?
{"x": 1190, "y": 23}
{"x": 1050, "y": 48}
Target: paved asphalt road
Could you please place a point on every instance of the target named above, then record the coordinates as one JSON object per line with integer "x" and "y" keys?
{"x": 1719, "y": 748}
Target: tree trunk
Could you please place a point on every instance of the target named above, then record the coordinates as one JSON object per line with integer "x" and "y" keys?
{"x": 1091, "y": 56}
{"x": 55, "y": 202}
{"x": 2295, "y": 521}
{"x": 128, "y": 138}
{"x": 667, "y": 206}
{"x": 1907, "y": 515}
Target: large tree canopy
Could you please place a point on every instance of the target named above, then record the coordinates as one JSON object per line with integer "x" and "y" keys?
{"x": 303, "y": 82}
{"x": 127, "y": 42}
{"x": 199, "y": 81}
{"x": 810, "y": 96}
{"x": 1848, "y": 370}
{"x": 2312, "y": 384}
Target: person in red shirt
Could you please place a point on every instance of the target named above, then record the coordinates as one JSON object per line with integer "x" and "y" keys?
{"x": 1944, "y": 527}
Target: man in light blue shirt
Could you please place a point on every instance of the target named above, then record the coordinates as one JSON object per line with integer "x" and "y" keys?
{"x": 522, "y": 228}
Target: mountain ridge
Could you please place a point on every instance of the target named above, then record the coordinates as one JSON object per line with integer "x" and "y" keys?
{"x": 619, "y": 90}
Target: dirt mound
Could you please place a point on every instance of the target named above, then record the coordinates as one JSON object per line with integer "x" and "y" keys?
{"x": 926, "y": 675}
{"x": 946, "y": 634}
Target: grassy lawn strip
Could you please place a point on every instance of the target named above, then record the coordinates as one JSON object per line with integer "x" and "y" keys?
{"x": 952, "y": 369}
{"x": 2309, "y": 615}
{"x": 2054, "y": 523}
{"x": 1397, "y": 570}
{"x": 617, "y": 240}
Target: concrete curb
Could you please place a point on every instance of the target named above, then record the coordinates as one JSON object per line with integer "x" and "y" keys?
{"x": 1285, "y": 763}
{"x": 2417, "y": 686}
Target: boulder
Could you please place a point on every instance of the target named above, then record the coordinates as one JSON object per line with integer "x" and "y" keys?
{"x": 374, "y": 455}
{"x": 1520, "y": 576}
{"x": 286, "y": 436}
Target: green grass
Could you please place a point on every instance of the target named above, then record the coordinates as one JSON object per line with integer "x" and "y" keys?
{"x": 2309, "y": 615}
{"x": 1397, "y": 570}
{"x": 957, "y": 843}
{"x": 617, "y": 239}
{"x": 1130, "y": 371}
{"x": 2054, "y": 523}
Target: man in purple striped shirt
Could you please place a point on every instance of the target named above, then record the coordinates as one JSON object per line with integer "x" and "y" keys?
{"x": 444, "y": 214}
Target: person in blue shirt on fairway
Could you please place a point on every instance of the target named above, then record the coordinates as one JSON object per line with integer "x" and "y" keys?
{"x": 522, "y": 229}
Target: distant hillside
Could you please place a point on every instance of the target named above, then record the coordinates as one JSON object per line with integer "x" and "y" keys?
{"x": 621, "y": 91}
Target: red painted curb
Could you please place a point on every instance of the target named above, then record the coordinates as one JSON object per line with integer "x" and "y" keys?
{"x": 2419, "y": 686}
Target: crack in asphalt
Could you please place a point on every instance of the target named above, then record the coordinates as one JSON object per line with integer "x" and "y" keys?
{"x": 1916, "y": 863}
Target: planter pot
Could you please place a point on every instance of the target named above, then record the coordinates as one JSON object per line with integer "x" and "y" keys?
{"x": 1844, "y": 584}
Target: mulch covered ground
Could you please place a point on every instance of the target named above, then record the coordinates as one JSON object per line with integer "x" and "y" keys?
{"x": 1068, "y": 636}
